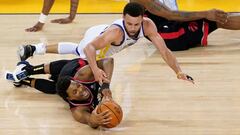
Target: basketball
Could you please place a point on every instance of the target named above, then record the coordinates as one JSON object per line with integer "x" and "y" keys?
{"x": 115, "y": 111}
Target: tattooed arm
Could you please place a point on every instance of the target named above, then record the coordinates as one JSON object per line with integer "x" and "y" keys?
{"x": 159, "y": 9}
{"x": 74, "y": 7}
{"x": 73, "y": 11}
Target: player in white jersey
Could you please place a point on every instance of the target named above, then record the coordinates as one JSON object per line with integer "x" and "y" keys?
{"x": 91, "y": 34}
{"x": 110, "y": 49}
{"x": 47, "y": 5}
{"x": 106, "y": 40}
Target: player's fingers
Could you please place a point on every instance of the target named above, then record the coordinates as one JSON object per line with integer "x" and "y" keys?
{"x": 99, "y": 79}
{"x": 64, "y": 22}
{"x": 95, "y": 110}
{"x": 33, "y": 29}
{"x": 106, "y": 121}
{"x": 28, "y": 29}
{"x": 190, "y": 79}
{"x": 107, "y": 115}
{"x": 222, "y": 17}
{"x": 104, "y": 112}
{"x": 55, "y": 21}
{"x": 221, "y": 20}
{"x": 185, "y": 77}
{"x": 104, "y": 74}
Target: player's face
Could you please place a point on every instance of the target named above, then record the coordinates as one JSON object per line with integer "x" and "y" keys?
{"x": 132, "y": 24}
{"x": 77, "y": 91}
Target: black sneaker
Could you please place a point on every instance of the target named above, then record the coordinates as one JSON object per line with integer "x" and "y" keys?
{"x": 25, "y": 51}
{"x": 23, "y": 83}
{"x": 17, "y": 84}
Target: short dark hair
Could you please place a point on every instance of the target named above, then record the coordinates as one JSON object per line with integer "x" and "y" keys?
{"x": 62, "y": 85}
{"x": 133, "y": 9}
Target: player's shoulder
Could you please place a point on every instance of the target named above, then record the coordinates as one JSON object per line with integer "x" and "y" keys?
{"x": 148, "y": 25}
{"x": 147, "y": 21}
{"x": 114, "y": 29}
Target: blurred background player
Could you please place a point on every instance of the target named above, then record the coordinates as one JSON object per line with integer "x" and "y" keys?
{"x": 182, "y": 30}
{"x": 47, "y": 5}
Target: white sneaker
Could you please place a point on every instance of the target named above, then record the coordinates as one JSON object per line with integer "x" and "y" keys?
{"x": 9, "y": 76}
{"x": 20, "y": 74}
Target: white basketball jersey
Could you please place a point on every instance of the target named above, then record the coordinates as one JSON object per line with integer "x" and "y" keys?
{"x": 126, "y": 40}
{"x": 110, "y": 49}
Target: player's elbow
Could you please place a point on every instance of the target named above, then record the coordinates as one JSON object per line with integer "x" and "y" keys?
{"x": 85, "y": 50}
{"x": 88, "y": 49}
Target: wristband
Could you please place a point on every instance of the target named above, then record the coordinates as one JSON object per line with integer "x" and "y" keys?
{"x": 42, "y": 18}
{"x": 104, "y": 86}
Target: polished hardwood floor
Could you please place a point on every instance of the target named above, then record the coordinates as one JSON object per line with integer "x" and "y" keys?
{"x": 154, "y": 101}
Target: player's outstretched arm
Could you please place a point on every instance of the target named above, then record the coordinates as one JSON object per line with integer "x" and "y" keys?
{"x": 151, "y": 32}
{"x": 108, "y": 37}
{"x": 158, "y": 8}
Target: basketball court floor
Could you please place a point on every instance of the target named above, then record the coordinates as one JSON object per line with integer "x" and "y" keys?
{"x": 153, "y": 100}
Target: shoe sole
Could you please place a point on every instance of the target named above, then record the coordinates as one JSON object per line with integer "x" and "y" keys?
{"x": 9, "y": 76}
{"x": 15, "y": 78}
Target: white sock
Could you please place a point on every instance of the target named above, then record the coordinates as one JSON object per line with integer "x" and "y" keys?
{"x": 40, "y": 49}
{"x": 42, "y": 18}
{"x": 67, "y": 48}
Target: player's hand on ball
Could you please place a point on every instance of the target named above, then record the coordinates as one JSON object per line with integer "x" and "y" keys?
{"x": 100, "y": 119}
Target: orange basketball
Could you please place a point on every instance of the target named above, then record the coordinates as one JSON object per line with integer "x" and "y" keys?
{"x": 114, "y": 109}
